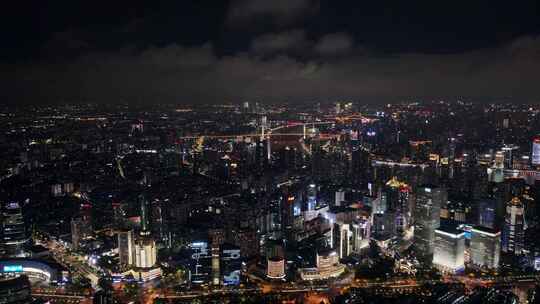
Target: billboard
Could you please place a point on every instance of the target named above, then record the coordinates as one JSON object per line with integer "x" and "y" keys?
{"x": 13, "y": 268}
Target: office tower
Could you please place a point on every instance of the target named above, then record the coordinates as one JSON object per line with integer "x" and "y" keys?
{"x": 429, "y": 200}
{"x": 535, "y": 155}
{"x": 396, "y": 194}
{"x": 311, "y": 197}
{"x": 77, "y": 232}
{"x": 145, "y": 247}
{"x": 487, "y": 212}
{"x": 360, "y": 165}
{"x": 145, "y": 253}
{"x": 215, "y": 264}
{"x": 14, "y": 235}
{"x": 384, "y": 225}
{"x": 144, "y": 206}
{"x": 311, "y": 203}
{"x": 449, "y": 249}
{"x": 217, "y": 238}
{"x": 144, "y": 256}
{"x": 509, "y": 153}
{"x": 126, "y": 242}
{"x": 339, "y": 197}
{"x": 361, "y": 234}
{"x": 340, "y": 239}
{"x": 231, "y": 264}
{"x": 530, "y": 207}
{"x": 201, "y": 263}
{"x": 287, "y": 209}
{"x": 485, "y": 247}
{"x": 513, "y": 233}
{"x": 247, "y": 240}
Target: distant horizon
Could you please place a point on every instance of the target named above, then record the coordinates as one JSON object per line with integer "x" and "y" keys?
{"x": 280, "y": 50}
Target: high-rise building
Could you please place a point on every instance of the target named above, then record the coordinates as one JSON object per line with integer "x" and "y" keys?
{"x": 275, "y": 268}
{"x": 81, "y": 228}
{"x": 145, "y": 253}
{"x": 487, "y": 212}
{"x": 144, "y": 256}
{"x": 429, "y": 200}
{"x": 340, "y": 197}
{"x": 341, "y": 239}
{"x": 513, "y": 234}
{"x": 126, "y": 243}
{"x": 201, "y": 263}
{"x": 231, "y": 264}
{"x": 145, "y": 214}
{"x": 449, "y": 249}
{"x": 396, "y": 195}
{"x": 360, "y": 234}
{"x": 509, "y": 154}
{"x": 14, "y": 235}
{"x": 535, "y": 155}
{"x": 485, "y": 247}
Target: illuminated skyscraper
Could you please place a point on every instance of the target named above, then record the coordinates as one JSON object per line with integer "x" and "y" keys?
{"x": 14, "y": 236}
{"x": 509, "y": 153}
{"x": 485, "y": 247}
{"x": 360, "y": 234}
{"x": 449, "y": 249}
{"x": 535, "y": 155}
{"x": 231, "y": 264}
{"x": 144, "y": 254}
{"x": 311, "y": 197}
{"x": 341, "y": 239}
{"x": 429, "y": 200}
{"x": 126, "y": 242}
{"x": 396, "y": 194}
{"x": 145, "y": 215}
{"x": 514, "y": 227}
{"x": 487, "y": 212}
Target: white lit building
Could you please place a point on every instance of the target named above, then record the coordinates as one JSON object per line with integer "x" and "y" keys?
{"x": 328, "y": 266}
{"x": 449, "y": 250}
{"x": 485, "y": 248}
{"x": 427, "y": 210}
{"x": 145, "y": 253}
{"x": 341, "y": 239}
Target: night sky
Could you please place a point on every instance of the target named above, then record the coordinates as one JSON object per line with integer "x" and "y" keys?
{"x": 269, "y": 51}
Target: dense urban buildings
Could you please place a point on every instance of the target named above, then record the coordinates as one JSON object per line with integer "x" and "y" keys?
{"x": 182, "y": 200}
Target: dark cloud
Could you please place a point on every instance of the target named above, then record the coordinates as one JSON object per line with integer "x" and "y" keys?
{"x": 334, "y": 44}
{"x": 176, "y": 73}
{"x": 293, "y": 40}
{"x": 277, "y": 12}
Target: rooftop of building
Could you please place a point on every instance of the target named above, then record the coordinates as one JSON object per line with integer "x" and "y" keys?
{"x": 450, "y": 227}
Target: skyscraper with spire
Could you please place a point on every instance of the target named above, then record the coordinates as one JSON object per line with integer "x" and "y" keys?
{"x": 145, "y": 252}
